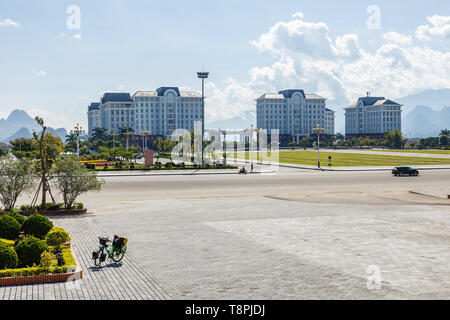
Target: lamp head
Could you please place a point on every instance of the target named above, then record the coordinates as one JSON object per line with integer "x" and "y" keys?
{"x": 203, "y": 75}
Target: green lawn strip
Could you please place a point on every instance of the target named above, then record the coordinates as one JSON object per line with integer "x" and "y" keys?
{"x": 348, "y": 159}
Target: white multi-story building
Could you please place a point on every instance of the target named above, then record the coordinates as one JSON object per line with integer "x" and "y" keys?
{"x": 159, "y": 112}
{"x": 94, "y": 119}
{"x": 166, "y": 109}
{"x": 372, "y": 117}
{"x": 292, "y": 112}
{"x": 329, "y": 121}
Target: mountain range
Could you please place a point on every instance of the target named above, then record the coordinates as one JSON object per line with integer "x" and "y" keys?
{"x": 19, "y": 124}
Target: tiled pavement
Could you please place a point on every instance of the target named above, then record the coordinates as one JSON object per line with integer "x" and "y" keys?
{"x": 126, "y": 280}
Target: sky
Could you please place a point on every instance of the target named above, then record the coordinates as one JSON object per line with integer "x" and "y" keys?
{"x": 58, "y": 56}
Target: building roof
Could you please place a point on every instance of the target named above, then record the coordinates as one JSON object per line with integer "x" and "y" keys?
{"x": 156, "y": 94}
{"x": 116, "y": 97}
{"x": 161, "y": 91}
{"x": 145, "y": 94}
{"x": 329, "y": 110}
{"x": 289, "y": 92}
{"x": 314, "y": 96}
{"x": 94, "y": 106}
{"x": 374, "y": 101}
{"x": 286, "y": 94}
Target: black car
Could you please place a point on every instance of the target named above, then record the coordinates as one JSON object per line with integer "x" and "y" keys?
{"x": 400, "y": 171}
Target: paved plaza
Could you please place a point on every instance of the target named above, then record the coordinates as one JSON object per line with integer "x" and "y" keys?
{"x": 292, "y": 235}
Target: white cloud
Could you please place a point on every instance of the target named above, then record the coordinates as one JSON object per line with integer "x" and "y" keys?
{"x": 395, "y": 37}
{"x": 307, "y": 57}
{"x": 438, "y": 29}
{"x": 9, "y": 23}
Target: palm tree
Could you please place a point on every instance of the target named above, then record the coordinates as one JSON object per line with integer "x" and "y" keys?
{"x": 71, "y": 141}
{"x": 126, "y": 131}
{"x": 99, "y": 133}
{"x": 445, "y": 132}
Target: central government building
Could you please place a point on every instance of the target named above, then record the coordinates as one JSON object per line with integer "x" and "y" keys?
{"x": 294, "y": 114}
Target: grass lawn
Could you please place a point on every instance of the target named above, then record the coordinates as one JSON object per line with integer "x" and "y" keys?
{"x": 349, "y": 159}
{"x": 416, "y": 151}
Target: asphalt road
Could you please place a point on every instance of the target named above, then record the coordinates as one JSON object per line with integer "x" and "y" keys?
{"x": 287, "y": 182}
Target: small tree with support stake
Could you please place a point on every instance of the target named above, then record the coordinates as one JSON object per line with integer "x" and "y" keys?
{"x": 47, "y": 151}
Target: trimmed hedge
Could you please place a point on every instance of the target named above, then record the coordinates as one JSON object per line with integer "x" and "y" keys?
{"x": 22, "y": 272}
{"x": 8, "y": 257}
{"x": 9, "y": 227}
{"x": 37, "y": 225}
{"x": 19, "y": 218}
{"x": 29, "y": 251}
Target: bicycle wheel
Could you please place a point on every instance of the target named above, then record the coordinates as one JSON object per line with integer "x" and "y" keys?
{"x": 118, "y": 255}
{"x": 97, "y": 260}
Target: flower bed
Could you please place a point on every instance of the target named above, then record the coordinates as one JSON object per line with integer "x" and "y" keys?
{"x": 28, "y": 251}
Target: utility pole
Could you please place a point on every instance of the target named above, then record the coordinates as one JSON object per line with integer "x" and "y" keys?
{"x": 318, "y": 130}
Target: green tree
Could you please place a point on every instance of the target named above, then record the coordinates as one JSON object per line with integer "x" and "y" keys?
{"x": 49, "y": 147}
{"x": 23, "y": 147}
{"x": 443, "y": 141}
{"x": 394, "y": 139}
{"x": 73, "y": 179}
{"x": 99, "y": 133}
{"x": 15, "y": 178}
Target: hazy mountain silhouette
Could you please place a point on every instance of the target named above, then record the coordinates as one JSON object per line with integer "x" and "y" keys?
{"x": 19, "y": 124}
{"x": 423, "y": 121}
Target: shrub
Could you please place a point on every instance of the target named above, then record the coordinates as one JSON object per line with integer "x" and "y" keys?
{"x": 37, "y": 225}
{"x": 9, "y": 227}
{"x": 8, "y": 257}
{"x": 78, "y": 205}
{"x": 56, "y": 237}
{"x": 46, "y": 259}
{"x": 168, "y": 165}
{"x": 19, "y": 218}
{"x": 29, "y": 251}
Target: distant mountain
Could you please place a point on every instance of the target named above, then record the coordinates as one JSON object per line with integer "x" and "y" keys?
{"x": 423, "y": 121}
{"x": 20, "y": 125}
{"x": 435, "y": 99}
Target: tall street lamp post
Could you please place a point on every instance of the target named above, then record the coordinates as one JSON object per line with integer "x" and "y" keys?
{"x": 203, "y": 75}
{"x": 77, "y": 130}
{"x": 251, "y": 130}
{"x": 318, "y": 130}
{"x": 260, "y": 132}
{"x": 113, "y": 134}
{"x": 224, "y": 146}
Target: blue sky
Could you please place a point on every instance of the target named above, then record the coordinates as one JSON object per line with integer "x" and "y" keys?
{"x": 141, "y": 45}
